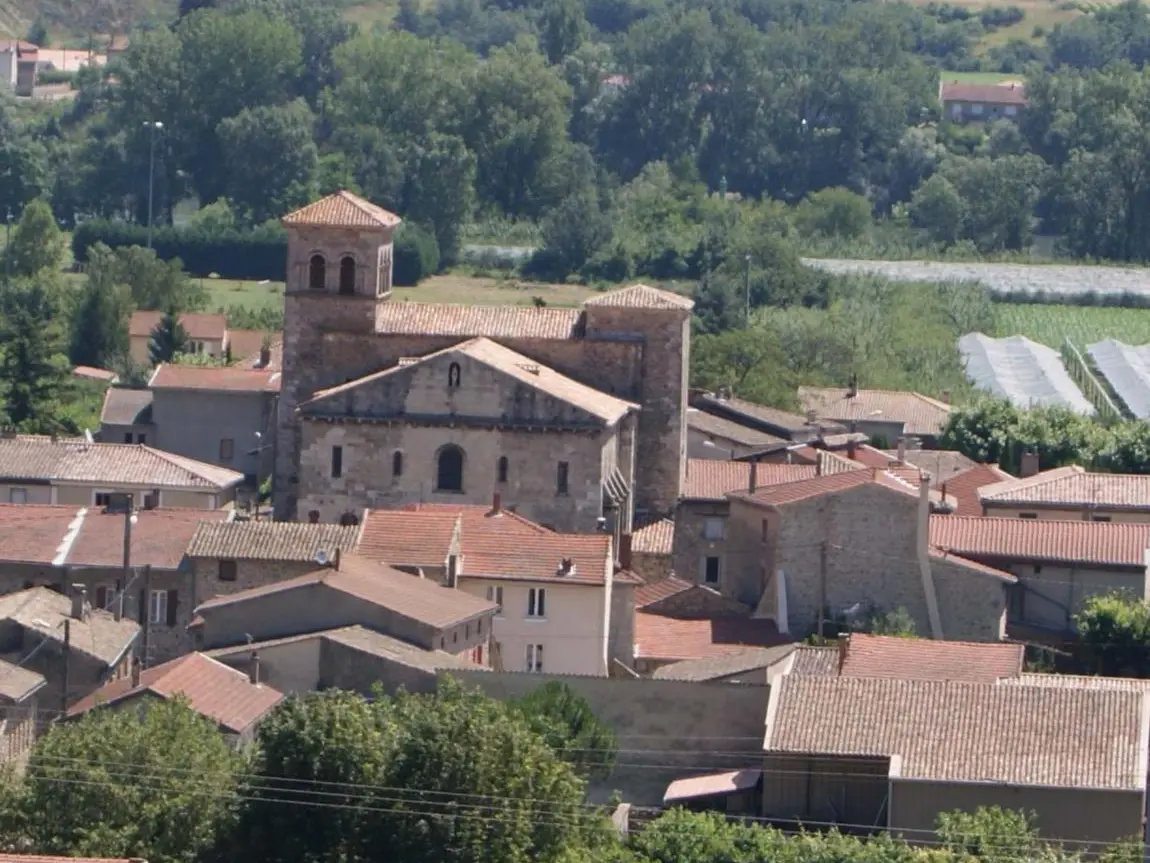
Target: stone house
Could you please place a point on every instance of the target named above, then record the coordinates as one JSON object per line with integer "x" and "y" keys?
{"x": 460, "y": 423}
{"x": 885, "y": 416}
{"x": 21, "y": 720}
{"x": 236, "y": 701}
{"x": 839, "y": 548}
{"x": 651, "y": 548}
{"x": 126, "y": 416}
{"x": 632, "y": 345}
{"x": 981, "y": 103}
{"x": 36, "y": 469}
{"x": 715, "y": 437}
{"x": 1069, "y": 494}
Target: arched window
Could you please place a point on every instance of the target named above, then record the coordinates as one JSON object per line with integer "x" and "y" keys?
{"x": 453, "y": 375}
{"x": 397, "y": 463}
{"x": 502, "y": 468}
{"x": 347, "y": 275}
{"x": 317, "y": 273}
{"x": 449, "y": 469}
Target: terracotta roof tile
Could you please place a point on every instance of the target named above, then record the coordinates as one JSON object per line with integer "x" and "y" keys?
{"x": 494, "y": 322}
{"x": 709, "y": 424}
{"x": 212, "y": 689}
{"x": 410, "y": 596}
{"x": 246, "y": 344}
{"x": 673, "y": 639}
{"x": 919, "y": 414}
{"x": 408, "y": 538}
{"x": 1025, "y": 539}
{"x": 125, "y": 407}
{"x": 738, "y": 662}
{"x": 173, "y": 376}
{"x": 966, "y": 732}
{"x": 37, "y": 534}
{"x": 972, "y": 565}
{"x": 962, "y": 488}
{"x": 711, "y": 785}
{"x": 94, "y": 374}
{"x": 923, "y": 659}
{"x": 100, "y": 636}
{"x": 1078, "y": 681}
{"x": 658, "y": 537}
{"x": 342, "y": 210}
{"x": 805, "y": 489}
{"x": 942, "y": 464}
{"x": 988, "y": 94}
{"x": 40, "y": 458}
{"x": 270, "y": 540}
{"x": 709, "y": 479}
{"x": 656, "y": 591}
{"x": 160, "y": 537}
{"x": 209, "y": 327}
{"x": 642, "y": 297}
{"x": 815, "y": 662}
{"x": 1072, "y": 486}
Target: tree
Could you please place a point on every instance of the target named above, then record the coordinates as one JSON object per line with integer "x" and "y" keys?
{"x": 563, "y": 28}
{"x": 168, "y": 339}
{"x": 440, "y": 190}
{"x": 155, "y": 784}
{"x": 100, "y": 323}
{"x": 23, "y": 170}
{"x": 834, "y": 212}
{"x": 573, "y": 233}
{"x": 1114, "y": 633}
{"x": 33, "y": 368}
{"x": 937, "y": 208}
{"x": 155, "y": 283}
{"x": 567, "y": 724}
{"x": 37, "y": 244}
{"x": 982, "y": 431}
{"x": 748, "y": 361}
{"x": 898, "y": 622}
{"x": 991, "y": 834}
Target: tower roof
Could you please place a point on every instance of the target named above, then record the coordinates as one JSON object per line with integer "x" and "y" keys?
{"x": 343, "y": 210}
{"x": 642, "y": 297}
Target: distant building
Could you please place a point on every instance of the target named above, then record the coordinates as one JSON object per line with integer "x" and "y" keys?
{"x": 981, "y": 103}
{"x": 18, "y": 61}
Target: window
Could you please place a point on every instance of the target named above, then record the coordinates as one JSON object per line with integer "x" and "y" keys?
{"x": 227, "y": 570}
{"x": 502, "y": 468}
{"x": 449, "y": 469}
{"x": 713, "y": 528}
{"x": 561, "y": 478}
{"x": 141, "y": 438}
{"x": 313, "y": 516}
{"x": 397, "y": 464}
{"x": 336, "y": 462}
{"x": 1038, "y": 569}
{"x": 535, "y": 658}
{"x": 479, "y": 627}
{"x": 317, "y": 273}
{"x": 495, "y": 594}
{"x": 453, "y": 375}
{"x": 467, "y": 632}
{"x": 766, "y": 530}
{"x": 101, "y": 597}
{"x": 161, "y": 609}
{"x": 711, "y": 570}
{"x": 976, "y": 109}
{"x": 1010, "y": 110}
{"x": 17, "y": 495}
{"x": 227, "y": 449}
{"x": 536, "y": 602}
{"x": 1100, "y": 518}
{"x": 1028, "y": 515}
{"x": 127, "y": 437}
{"x": 347, "y": 275}
{"x": 455, "y": 637}
{"x": 102, "y": 498}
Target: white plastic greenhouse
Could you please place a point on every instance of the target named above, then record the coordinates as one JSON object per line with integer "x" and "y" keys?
{"x": 1127, "y": 370}
{"x": 1023, "y": 371}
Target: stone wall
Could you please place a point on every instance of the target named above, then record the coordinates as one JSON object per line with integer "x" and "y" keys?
{"x": 651, "y": 567}
{"x": 193, "y": 423}
{"x": 691, "y": 546}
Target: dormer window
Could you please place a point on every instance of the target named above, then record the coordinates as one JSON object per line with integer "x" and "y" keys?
{"x": 317, "y": 273}
{"x": 347, "y": 275}
{"x": 453, "y": 375}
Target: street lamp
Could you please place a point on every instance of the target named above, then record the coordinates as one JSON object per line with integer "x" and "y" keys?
{"x": 152, "y": 126}
{"x": 747, "y": 290}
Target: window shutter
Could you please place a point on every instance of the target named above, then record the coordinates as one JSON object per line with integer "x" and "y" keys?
{"x": 142, "y": 609}
{"x": 173, "y": 604}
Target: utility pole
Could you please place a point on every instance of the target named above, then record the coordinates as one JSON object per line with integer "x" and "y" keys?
{"x": 67, "y": 663}
{"x": 153, "y": 126}
{"x": 747, "y": 289}
{"x": 147, "y": 614}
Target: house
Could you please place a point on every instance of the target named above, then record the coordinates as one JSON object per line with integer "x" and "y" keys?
{"x": 661, "y": 641}
{"x": 206, "y": 333}
{"x": 715, "y": 437}
{"x": 66, "y": 641}
{"x": 981, "y": 103}
{"x": 1058, "y": 564}
{"x": 21, "y": 721}
{"x": 942, "y": 464}
{"x": 1068, "y": 494}
{"x": 432, "y": 402}
{"x": 351, "y": 591}
{"x": 885, "y": 416}
{"x": 45, "y": 470}
{"x": 235, "y": 701}
{"x": 126, "y": 416}
{"x": 651, "y": 547}
{"x": 960, "y": 493}
{"x": 774, "y": 422}
{"x": 18, "y": 61}
{"x": 456, "y": 424}
{"x": 894, "y": 753}
{"x": 845, "y": 546}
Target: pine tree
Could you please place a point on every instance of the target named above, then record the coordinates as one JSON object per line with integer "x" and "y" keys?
{"x": 33, "y": 368}
{"x": 37, "y": 244}
{"x": 168, "y": 339}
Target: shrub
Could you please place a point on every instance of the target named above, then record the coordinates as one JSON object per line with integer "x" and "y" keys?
{"x": 416, "y": 255}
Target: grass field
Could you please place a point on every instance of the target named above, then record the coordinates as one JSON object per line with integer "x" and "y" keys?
{"x": 1083, "y": 325}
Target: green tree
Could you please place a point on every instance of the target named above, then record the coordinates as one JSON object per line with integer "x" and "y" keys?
{"x": 100, "y": 323}
{"x": 834, "y": 212}
{"x": 937, "y": 208}
{"x": 563, "y": 28}
{"x": 748, "y": 361}
{"x": 566, "y": 722}
{"x": 992, "y": 834}
{"x": 155, "y": 283}
{"x": 34, "y": 370}
{"x": 1114, "y": 634}
{"x": 23, "y": 170}
{"x": 37, "y": 244}
{"x": 168, "y": 339}
{"x": 898, "y": 622}
{"x": 982, "y": 431}
{"x": 155, "y": 784}
{"x": 440, "y": 190}
{"x": 573, "y": 233}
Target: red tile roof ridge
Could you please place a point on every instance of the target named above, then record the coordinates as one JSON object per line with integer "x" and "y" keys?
{"x": 804, "y": 489}
{"x": 1040, "y": 478}
{"x": 943, "y": 554}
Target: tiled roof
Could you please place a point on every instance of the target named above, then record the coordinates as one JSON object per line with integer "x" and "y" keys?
{"x": 727, "y": 429}
{"x": 1072, "y": 486}
{"x": 494, "y": 322}
{"x": 943, "y": 465}
{"x": 919, "y": 414}
{"x": 125, "y": 407}
{"x": 92, "y": 373}
{"x": 962, "y": 488}
{"x": 924, "y": 659}
{"x": 342, "y": 210}
{"x": 38, "y": 534}
{"x": 658, "y": 537}
{"x": 711, "y": 668}
{"x": 710, "y": 479}
{"x": 403, "y": 537}
{"x": 18, "y": 683}
{"x": 805, "y": 489}
{"x": 410, "y": 596}
{"x": 815, "y": 662}
{"x": 173, "y": 376}
{"x": 971, "y": 565}
{"x": 642, "y": 297}
{"x": 656, "y": 591}
{"x": 966, "y": 732}
{"x": 245, "y": 344}
{"x": 270, "y": 540}
{"x": 209, "y": 327}
{"x": 712, "y": 784}
{"x": 784, "y": 420}
{"x": 211, "y": 688}
{"x": 40, "y": 458}
{"x": 100, "y": 636}
{"x": 988, "y": 94}
{"x": 1079, "y": 681}
{"x": 1027, "y": 539}
{"x": 160, "y": 537}
{"x": 673, "y": 639}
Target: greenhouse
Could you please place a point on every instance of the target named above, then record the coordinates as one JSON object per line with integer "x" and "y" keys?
{"x": 1024, "y": 372}
{"x": 1127, "y": 370}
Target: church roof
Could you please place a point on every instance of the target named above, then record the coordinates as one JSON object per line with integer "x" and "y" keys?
{"x": 642, "y": 297}
{"x": 526, "y": 371}
{"x": 343, "y": 210}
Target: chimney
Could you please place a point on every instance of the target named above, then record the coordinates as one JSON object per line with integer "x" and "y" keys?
{"x": 853, "y": 386}
{"x": 754, "y": 479}
{"x": 946, "y": 396}
{"x": 902, "y": 450}
{"x": 851, "y": 448}
{"x": 313, "y": 516}
{"x": 1028, "y": 465}
{"x": 79, "y": 602}
{"x": 923, "y": 554}
{"x": 844, "y": 647}
{"x": 566, "y": 567}
{"x": 254, "y": 670}
{"x": 625, "y": 550}
{"x": 265, "y": 357}
{"x": 335, "y": 560}
{"x": 135, "y": 671}
{"x": 496, "y": 504}
{"x": 923, "y": 513}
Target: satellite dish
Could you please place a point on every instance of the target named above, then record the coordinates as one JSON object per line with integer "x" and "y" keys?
{"x": 321, "y": 557}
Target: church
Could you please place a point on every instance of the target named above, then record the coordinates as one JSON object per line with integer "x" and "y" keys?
{"x": 574, "y": 418}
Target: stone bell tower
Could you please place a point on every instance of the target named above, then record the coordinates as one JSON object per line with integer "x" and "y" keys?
{"x": 338, "y": 275}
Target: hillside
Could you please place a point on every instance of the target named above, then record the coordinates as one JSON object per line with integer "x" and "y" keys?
{"x": 73, "y": 21}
